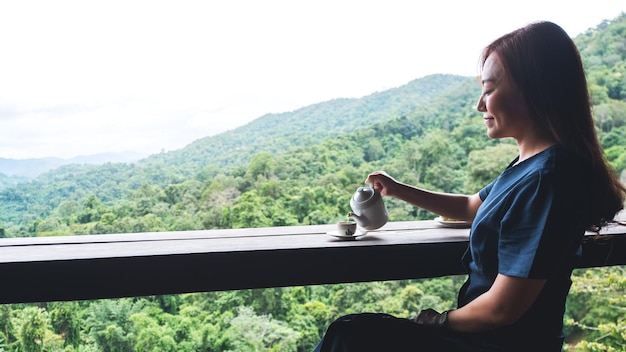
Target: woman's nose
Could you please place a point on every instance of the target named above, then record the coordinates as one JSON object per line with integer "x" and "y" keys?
{"x": 480, "y": 105}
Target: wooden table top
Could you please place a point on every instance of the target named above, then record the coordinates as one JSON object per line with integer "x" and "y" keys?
{"x": 29, "y": 249}
{"x": 123, "y": 265}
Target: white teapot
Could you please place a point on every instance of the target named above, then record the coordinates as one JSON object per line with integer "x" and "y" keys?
{"x": 368, "y": 208}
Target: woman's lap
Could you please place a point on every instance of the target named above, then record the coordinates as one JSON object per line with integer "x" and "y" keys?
{"x": 383, "y": 332}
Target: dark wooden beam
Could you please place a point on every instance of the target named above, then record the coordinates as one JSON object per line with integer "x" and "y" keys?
{"x": 604, "y": 250}
{"x": 130, "y": 265}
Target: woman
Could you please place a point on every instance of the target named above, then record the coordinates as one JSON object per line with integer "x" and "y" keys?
{"x": 527, "y": 224}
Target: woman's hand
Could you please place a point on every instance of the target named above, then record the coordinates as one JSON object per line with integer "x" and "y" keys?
{"x": 430, "y": 317}
{"x": 382, "y": 182}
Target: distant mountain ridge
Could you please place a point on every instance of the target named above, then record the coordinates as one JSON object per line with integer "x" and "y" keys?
{"x": 230, "y": 151}
{"x": 273, "y": 133}
{"x": 33, "y": 167}
{"x": 276, "y": 133}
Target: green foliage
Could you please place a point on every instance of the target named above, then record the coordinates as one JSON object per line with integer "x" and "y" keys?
{"x": 65, "y": 320}
{"x": 111, "y": 325}
{"x": 596, "y": 307}
{"x": 278, "y": 319}
{"x": 486, "y": 164}
{"x": 32, "y": 325}
{"x": 251, "y": 332}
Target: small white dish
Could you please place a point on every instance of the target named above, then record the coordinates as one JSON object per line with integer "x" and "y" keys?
{"x": 457, "y": 224}
{"x": 359, "y": 233}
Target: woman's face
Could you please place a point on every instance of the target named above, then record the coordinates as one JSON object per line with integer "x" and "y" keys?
{"x": 503, "y": 107}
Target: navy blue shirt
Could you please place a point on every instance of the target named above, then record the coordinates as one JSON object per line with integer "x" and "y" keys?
{"x": 530, "y": 225}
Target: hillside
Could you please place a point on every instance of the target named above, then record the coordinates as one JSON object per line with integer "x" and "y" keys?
{"x": 272, "y": 133}
{"x": 276, "y": 133}
{"x": 17, "y": 170}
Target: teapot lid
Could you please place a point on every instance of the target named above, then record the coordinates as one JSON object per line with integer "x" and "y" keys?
{"x": 363, "y": 194}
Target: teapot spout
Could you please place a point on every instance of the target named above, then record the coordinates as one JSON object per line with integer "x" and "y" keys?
{"x": 355, "y": 216}
{"x": 361, "y": 220}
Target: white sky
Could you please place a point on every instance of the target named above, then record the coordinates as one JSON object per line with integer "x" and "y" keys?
{"x": 84, "y": 77}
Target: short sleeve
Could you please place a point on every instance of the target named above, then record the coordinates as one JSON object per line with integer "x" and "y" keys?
{"x": 483, "y": 193}
{"x": 524, "y": 227}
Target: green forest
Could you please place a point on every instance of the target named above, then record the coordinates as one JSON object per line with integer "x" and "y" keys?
{"x": 298, "y": 168}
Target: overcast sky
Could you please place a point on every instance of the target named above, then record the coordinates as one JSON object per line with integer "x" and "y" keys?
{"x": 84, "y": 77}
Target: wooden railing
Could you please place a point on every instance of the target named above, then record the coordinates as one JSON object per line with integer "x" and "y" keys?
{"x": 130, "y": 265}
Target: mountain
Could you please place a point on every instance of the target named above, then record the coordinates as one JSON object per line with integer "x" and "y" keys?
{"x": 276, "y": 133}
{"x": 31, "y": 168}
{"x": 225, "y": 153}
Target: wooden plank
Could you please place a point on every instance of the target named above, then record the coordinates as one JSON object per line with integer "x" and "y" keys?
{"x": 139, "y": 276}
{"x": 606, "y": 248}
{"x": 127, "y": 265}
{"x": 110, "y": 266}
{"x": 191, "y": 242}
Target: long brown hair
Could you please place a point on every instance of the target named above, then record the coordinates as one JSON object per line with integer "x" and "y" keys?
{"x": 545, "y": 64}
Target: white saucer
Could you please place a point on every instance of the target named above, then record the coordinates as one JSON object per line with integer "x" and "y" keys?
{"x": 358, "y": 234}
{"x": 454, "y": 223}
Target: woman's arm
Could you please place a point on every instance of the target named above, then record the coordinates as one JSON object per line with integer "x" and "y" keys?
{"x": 455, "y": 206}
{"x": 505, "y": 302}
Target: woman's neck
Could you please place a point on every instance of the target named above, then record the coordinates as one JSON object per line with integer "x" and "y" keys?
{"x": 529, "y": 148}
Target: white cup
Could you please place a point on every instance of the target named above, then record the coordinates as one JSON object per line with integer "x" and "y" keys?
{"x": 346, "y": 228}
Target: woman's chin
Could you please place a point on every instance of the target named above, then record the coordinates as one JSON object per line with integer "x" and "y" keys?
{"x": 492, "y": 133}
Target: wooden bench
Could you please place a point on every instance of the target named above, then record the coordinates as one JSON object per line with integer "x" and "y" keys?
{"x": 130, "y": 265}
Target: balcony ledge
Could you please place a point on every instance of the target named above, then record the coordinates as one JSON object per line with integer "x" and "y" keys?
{"x": 130, "y": 265}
